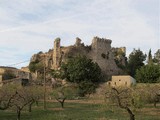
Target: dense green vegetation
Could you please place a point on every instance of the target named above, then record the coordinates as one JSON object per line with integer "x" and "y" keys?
{"x": 135, "y": 61}
{"x": 36, "y": 66}
{"x": 82, "y": 71}
{"x": 156, "y": 58}
{"x": 148, "y": 74}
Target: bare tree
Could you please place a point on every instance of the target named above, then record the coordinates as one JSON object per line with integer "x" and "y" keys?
{"x": 61, "y": 98}
{"x": 122, "y": 98}
{"x": 153, "y": 94}
{"x": 63, "y": 93}
{"x": 33, "y": 94}
{"x": 6, "y": 97}
{"x": 20, "y": 102}
{"x": 26, "y": 97}
{"x": 129, "y": 98}
{"x": 17, "y": 97}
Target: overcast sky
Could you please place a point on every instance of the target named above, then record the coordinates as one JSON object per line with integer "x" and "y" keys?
{"x": 30, "y": 26}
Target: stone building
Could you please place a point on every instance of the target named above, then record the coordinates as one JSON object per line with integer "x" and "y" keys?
{"x": 100, "y": 51}
{"x": 14, "y": 71}
{"x": 122, "y": 81}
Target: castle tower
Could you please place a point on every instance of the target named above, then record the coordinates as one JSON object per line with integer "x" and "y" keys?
{"x": 56, "y": 54}
{"x": 101, "y": 53}
{"x": 100, "y": 46}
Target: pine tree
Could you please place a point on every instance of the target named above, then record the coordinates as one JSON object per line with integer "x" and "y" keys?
{"x": 150, "y": 61}
{"x": 135, "y": 61}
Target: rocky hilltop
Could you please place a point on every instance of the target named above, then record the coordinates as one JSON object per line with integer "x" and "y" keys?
{"x": 100, "y": 51}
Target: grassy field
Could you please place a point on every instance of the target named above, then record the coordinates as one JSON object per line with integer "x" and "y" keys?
{"x": 82, "y": 110}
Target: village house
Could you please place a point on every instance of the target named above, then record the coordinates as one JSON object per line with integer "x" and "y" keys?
{"x": 14, "y": 75}
{"x": 122, "y": 81}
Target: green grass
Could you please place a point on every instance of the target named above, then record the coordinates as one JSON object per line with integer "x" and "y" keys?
{"x": 77, "y": 111}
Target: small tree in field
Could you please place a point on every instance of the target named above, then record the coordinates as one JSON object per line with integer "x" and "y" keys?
{"x": 25, "y": 97}
{"x": 122, "y": 98}
{"x": 132, "y": 98}
{"x": 17, "y": 97}
{"x": 63, "y": 93}
{"x": 33, "y": 94}
{"x": 152, "y": 93}
{"x": 7, "y": 94}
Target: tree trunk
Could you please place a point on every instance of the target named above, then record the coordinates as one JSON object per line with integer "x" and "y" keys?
{"x": 62, "y": 104}
{"x": 61, "y": 101}
{"x": 18, "y": 113}
{"x": 130, "y": 113}
{"x": 30, "y": 107}
{"x": 155, "y": 103}
{"x": 132, "y": 117}
{"x": 36, "y": 102}
{"x": 122, "y": 106}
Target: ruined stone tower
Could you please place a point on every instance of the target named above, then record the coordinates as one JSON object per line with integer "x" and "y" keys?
{"x": 100, "y": 47}
{"x": 101, "y": 53}
{"x": 56, "y": 54}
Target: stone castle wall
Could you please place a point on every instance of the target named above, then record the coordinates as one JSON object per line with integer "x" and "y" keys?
{"x": 100, "y": 51}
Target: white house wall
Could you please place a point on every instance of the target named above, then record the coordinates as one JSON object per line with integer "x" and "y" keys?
{"x": 122, "y": 81}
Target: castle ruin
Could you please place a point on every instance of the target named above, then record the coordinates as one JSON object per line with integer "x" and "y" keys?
{"x": 100, "y": 51}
